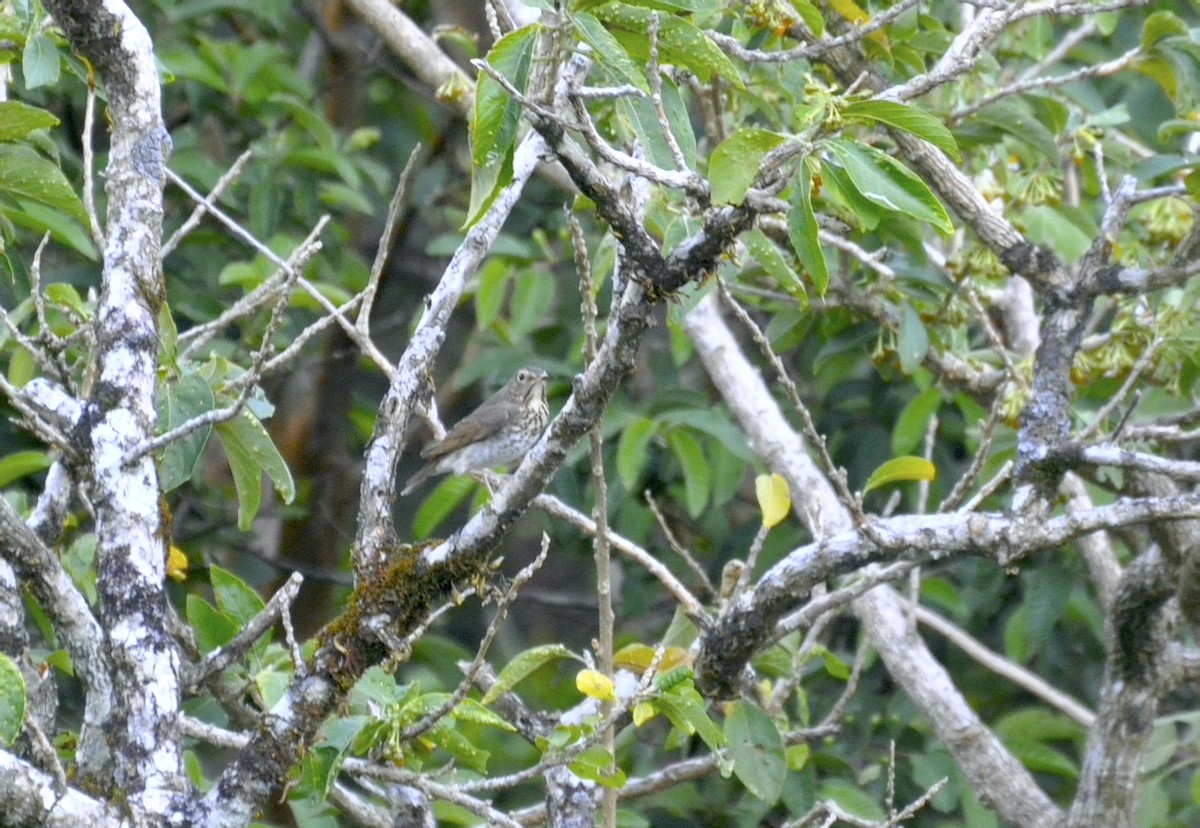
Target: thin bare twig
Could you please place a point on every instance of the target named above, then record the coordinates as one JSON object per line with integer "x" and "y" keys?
{"x": 816, "y": 439}
{"x": 676, "y": 546}
{"x": 1015, "y": 673}
{"x": 89, "y": 167}
{"x": 384, "y": 250}
{"x": 505, "y": 601}
{"x": 969, "y": 477}
{"x": 192, "y": 675}
{"x": 193, "y": 221}
{"x": 195, "y": 338}
{"x": 656, "y": 95}
{"x": 364, "y": 343}
{"x": 691, "y": 606}
{"x": 600, "y": 547}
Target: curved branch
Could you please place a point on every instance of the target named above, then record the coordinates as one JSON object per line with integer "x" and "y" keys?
{"x": 736, "y": 636}
{"x": 30, "y": 797}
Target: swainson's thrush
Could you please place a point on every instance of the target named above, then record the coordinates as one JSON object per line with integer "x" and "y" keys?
{"x": 497, "y": 433}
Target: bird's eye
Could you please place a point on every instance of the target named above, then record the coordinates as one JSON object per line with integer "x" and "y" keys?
{"x": 522, "y": 376}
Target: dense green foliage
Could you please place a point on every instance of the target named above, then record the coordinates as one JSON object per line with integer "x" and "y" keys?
{"x": 895, "y": 339}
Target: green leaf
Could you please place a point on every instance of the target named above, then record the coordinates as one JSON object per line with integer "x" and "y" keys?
{"x": 1016, "y": 636}
{"x": 684, "y": 706}
{"x": 608, "y": 51}
{"x": 21, "y": 464}
{"x": 19, "y": 119}
{"x": 497, "y": 115}
{"x": 839, "y": 188}
{"x": 888, "y": 183}
{"x": 250, "y": 452}
{"x": 522, "y": 666}
{"x": 685, "y": 6}
{"x": 757, "y": 751}
{"x": 420, "y": 705}
{"x": 497, "y": 118}
{"x": 1066, "y": 230}
{"x": 489, "y": 294}
{"x": 908, "y": 118}
{"x": 176, "y": 402}
{"x": 852, "y": 799}
{"x": 39, "y": 61}
{"x": 712, "y": 423}
{"x": 65, "y": 295}
{"x": 465, "y": 753}
{"x": 21, "y": 367}
{"x": 375, "y": 686}
{"x": 469, "y": 710}
{"x": 12, "y": 701}
{"x": 168, "y": 340}
{"x": 811, "y": 16}
{"x": 767, "y": 254}
{"x": 234, "y": 597}
{"x": 62, "y": 227}
{"x": 679, "y": 42}
{"x": 440, "y": 504}
{"x": 909, "y": 431}
{"x": 834, "y": 666}
{"x": 1046, "y": 598}
{"x": 697, "y": 476}
{"x": 79, "y": 561}
{"x": 596, "y": 764}
{"x": 26, "y": 175}
{"x": 802, "y": 230}
{"x": 336, "y": 736}
{"x": 212, "y": 627}
{"x": 643, "y": 119}
{"x": 1015, "y": 117}
{"x": 734, "y": 163}
{"x": 1154, "y": 803}
{"x": 1162, "y": 24}
{"x": 797, "y": 756}
{"x": 272, "y": 684}
{"x": 532, "y": 299}
{"x": 1042, "y": 758}
{"x": 1040, "y": 724}
{"x": 1163, "y": 745}
{"x": 900, "y": 469}
{"x": 912, "y": 340}
{"x": 632, "y": 451}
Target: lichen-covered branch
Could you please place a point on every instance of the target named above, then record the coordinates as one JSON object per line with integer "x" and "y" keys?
{"x": 134, "y": 749}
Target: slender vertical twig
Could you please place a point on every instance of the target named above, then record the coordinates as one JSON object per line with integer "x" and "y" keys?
{"x": 386, "y": 240}
{"x": 604, "y": 645}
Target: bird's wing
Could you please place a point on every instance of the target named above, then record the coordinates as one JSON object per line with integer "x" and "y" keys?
{"x": 480, "y": 423}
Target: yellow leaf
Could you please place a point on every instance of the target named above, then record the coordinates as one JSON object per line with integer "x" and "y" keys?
{"x": 642, "y": 713}
{"x": 849, "y": 10}
{"x": 773, "y": 498}
{"x": 674, "y": 657}
{"x": 596, "y": 685}
{"x": 635, "y": 656}
{"x": 177, "y": 564}
{"x": 638, "y": 657}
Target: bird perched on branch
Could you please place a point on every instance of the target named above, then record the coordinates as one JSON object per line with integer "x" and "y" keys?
{"x": 499, "y": 432}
